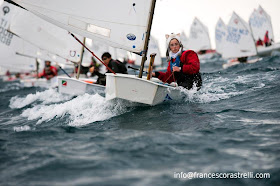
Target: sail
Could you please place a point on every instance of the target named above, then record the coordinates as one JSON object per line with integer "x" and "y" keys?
{"x": 184, "y": 39}
{"x": 45, "y": 35}
{"x": 27, "y": 49}
{"x": 199, "y": 36}
{"x": 6, "y": 13}
{"x": 121, "y": 24}
{"x": 13, "y": 62}
{"x": 220, "y": 35}
{"x": 98, "y": 48}
{"x": 260, "y": 22}
{"x": 239, "y": 41}
{"x": 152, "y": 48}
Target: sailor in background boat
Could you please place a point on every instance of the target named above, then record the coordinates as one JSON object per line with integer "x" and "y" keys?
{"x": 259, "y": 42}
{"x": 266, "y": 39}
{"x": 115, "y": 65}
{"x": 183, "y": 66}
{"x": 49, "y": 71}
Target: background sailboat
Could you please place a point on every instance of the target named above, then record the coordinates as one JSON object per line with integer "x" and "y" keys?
{"x": 184, "y": 40}
{"x": 220, "y": 35}
{"x": 260, "y": 23}
{"x": 199, "y": 40}
{"x": 239, "y": 41}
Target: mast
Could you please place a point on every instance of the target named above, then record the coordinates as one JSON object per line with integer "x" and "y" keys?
{"x": 81, "y": 59}
{"x": 144, "y": 55}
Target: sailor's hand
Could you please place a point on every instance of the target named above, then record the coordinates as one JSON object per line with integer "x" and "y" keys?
{"x": 91, "y": 69}
{"x": 176, "y": 69}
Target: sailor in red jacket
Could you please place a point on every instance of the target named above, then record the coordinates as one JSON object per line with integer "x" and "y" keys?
{"x": 49, "y": 71}
{"x": 183, "y": 66}
{"x": 266, "y": 39}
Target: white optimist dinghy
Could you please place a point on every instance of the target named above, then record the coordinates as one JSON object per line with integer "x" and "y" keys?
{"x": 80, "y": 86}
{"x": 260, "y": 23}
{"x": 124, "y": 24}
{"x": 236, "y": 41}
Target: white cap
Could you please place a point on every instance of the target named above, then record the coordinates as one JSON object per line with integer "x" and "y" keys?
{"x": 172, "y": 36}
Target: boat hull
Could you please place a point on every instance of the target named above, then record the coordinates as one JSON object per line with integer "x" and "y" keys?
{"x": 41, "y": 82}
{"x": 72, "y": 86}
{"x": 267, "y": 51}
{"x": 139, "y": 90}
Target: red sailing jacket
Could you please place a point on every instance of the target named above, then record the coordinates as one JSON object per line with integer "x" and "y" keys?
{"x": 191, "y": 65}
{"x": 266, "y": 38}
{"x": 51, "y": 71}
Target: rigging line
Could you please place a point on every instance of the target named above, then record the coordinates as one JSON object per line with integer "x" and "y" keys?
{"x": 93, "y": 53}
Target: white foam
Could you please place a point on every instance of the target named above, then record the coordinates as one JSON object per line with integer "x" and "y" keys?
{"x": 220, "y": 88}
{"x": 22, "y": 128}
{"x": 79, "y": 111}
{"x": 47, "y": 97}
{"x": 212, "y": 90}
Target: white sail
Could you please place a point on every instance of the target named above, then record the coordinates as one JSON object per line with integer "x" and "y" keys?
{"x": 199, "y": 36}
{"x": 6, "y": 13}
{"x": 239, "y": 41}
{"x": 8, "y": 43}
{"x": 25, "y": 48}
{"x": 122, "y": 23}
{"x": 1, "y": 1}
{"x": 152, "y": 48}
{"x": 45, "y": 35}
{"x": 220, "y": 35}
{"x": 98, "y": 48}
{"x": 260, "y": 22}
{"x": 184, "y": 39}
{"x": 13, "y": 62}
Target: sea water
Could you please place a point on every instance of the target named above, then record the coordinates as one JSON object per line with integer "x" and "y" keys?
{"x": 232, "y": 125}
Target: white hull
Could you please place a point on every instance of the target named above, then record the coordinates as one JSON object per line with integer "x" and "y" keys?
{"x": 230, "y": 64}
{"x": 267, "y": 51}
{"x": 138, "y": 90}
{"x": 41, "y": 82}
{"x": 74, "y": 86}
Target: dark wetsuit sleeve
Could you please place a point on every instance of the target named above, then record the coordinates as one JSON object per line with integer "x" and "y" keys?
{"x": 115, "y": 67}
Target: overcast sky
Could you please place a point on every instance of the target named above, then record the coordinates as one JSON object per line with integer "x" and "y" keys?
{"x": 177, "y": 15}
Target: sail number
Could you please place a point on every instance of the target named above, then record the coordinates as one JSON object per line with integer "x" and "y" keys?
{"x": 5, "y": 35}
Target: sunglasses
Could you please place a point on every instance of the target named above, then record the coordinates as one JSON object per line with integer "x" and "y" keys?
{"x": 104, "y": 58}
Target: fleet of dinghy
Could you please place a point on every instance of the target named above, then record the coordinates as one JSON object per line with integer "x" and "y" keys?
{"x": 56, "y": 41}
{"x": 127, "y": 29}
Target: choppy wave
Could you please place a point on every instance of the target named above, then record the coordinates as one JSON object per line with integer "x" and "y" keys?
{"x": 46, "y": 97}
{"x": 79, "y": 111}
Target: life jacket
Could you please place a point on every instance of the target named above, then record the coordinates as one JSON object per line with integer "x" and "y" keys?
{"x": 176, "y": 63}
